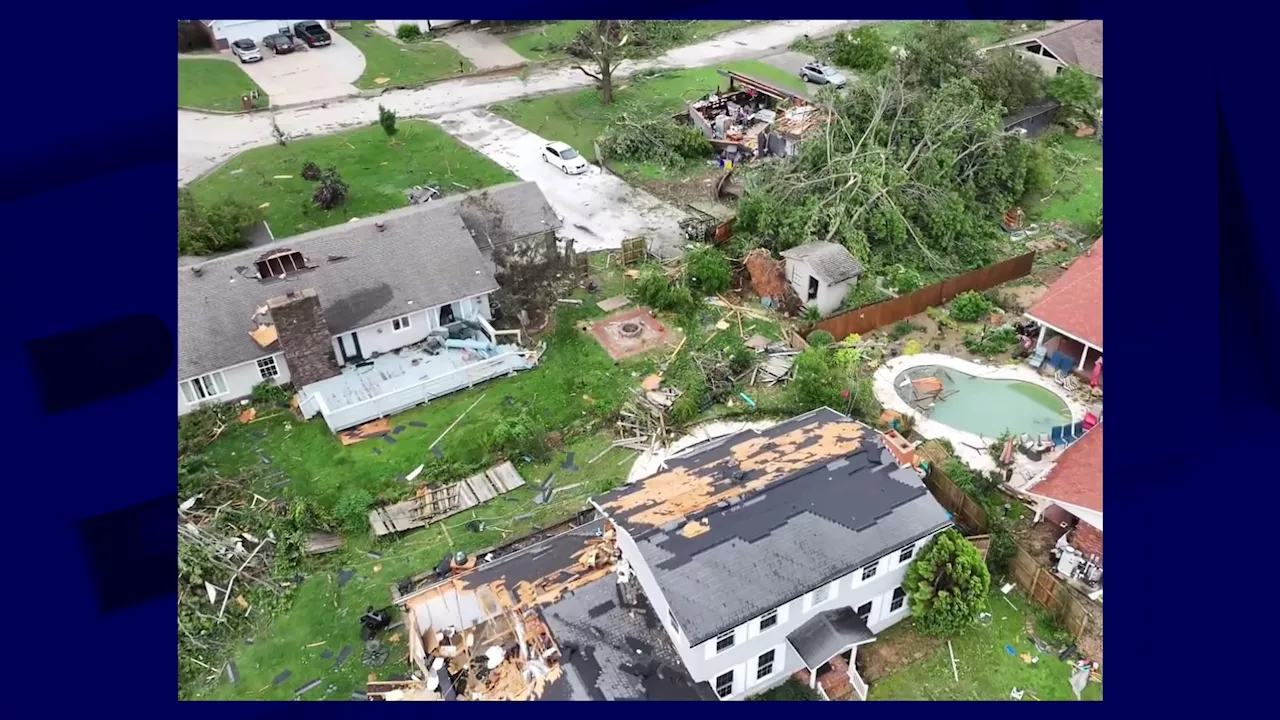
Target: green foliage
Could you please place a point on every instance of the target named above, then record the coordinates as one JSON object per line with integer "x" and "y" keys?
{"x": 1003, "y": 546}
{"x": 331, "y": 192}
{"x": 352, "y": 510}
{"x": 1077, "y": 90}
{"x": 706, "y": 270}
{"x": 518, "y": 435}
{"x": 818, "y": 380}
{"x": 740, "y": 358}
{"x": 311, "y": 171}
{"x": 863, "y": 49}
{"x": 409, "y": 32}
{"x": 947, "y": 445}
{"x": 1010, "y": 79}
{"x": 199, "y": 427}
{"x": 960, "y": 474}
{"x": 903, "y": 279}
{"x": 205, "y": 229}
{"x": 820, "y": 338}
{"x": 655, "y": 139}
{"x": 387, "y": 116}
{"x": 970, "y": 306}
{"x": 657, "y": 291}
{"x": 901, "y": 329}
{"x": 913, "y": 347}
{"x": 991, "y": 341}
{"x": 812, "y": 314}
{"x": 939, "y": 52}
{"x": 947, "y": 584}
{"x": 789, "y": 690}
{"x": 269, "y": 394}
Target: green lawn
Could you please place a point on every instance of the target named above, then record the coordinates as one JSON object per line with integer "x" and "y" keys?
{"x": 578, "y": 118}
{"x": 1078, "y": 198}
{"x": 987, "y": 671}
{"x": 376, "y": 170}
{"x": 983, "y": 32}
{"x": 395, "y": 64}
{"x": 214, "y": 84}
{"x": 547, "y": 42}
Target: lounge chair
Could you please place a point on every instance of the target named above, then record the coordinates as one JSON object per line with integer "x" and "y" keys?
{"x": 1056, "y": 437}
{"x": 1068, "y": 434}
{"x": 1044, "y": 442}
{"x": 1078, "y": 430}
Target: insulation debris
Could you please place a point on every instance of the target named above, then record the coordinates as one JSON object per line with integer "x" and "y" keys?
{"x": 264, "y": 335}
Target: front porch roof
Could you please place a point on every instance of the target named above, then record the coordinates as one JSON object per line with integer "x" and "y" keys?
{"x": 827, "y": 634}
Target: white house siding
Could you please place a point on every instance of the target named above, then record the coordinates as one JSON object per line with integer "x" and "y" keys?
{"x": 383, "y": 338}
{"x": 240, "y": 380}
{"x": 705, "y": 665}
{"x": 657, "y": 600}
{"x": 830, "y": 297}
{"x": 229, "y": 31}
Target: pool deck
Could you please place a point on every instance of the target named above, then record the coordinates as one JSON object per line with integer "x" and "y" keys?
{"x": 970, "y": 448}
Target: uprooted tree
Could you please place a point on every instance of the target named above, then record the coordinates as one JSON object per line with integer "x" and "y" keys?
{"x": 207, "y": 228}
{"x": 947, "y": 584}
{"x": 909, "y": 175}
{"x": 604, "y": 43}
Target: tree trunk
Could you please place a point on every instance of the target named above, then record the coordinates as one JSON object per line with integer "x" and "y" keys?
{"x": 606, "y": 81}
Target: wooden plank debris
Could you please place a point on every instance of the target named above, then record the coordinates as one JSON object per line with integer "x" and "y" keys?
{"x": 373, "y": 428}
{"x": 264, "y": 335}
{"x": 432, "y": 504}
{"x": 617, "y": 302}
{"x": 319, "y": 543}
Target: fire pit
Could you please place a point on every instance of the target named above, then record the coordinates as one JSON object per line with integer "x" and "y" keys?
{"x": 630, "y": 329}
{"x": 631, "y": 332}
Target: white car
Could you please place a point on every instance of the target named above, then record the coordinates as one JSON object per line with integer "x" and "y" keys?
{"x": 247, "y": 50}
{"x": 565, "y": 158}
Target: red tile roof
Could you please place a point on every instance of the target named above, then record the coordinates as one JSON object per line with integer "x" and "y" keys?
{"x": 1073, "y": 304}
{"x": 1077, "y": 476}
{"x": 1088, "y": 540}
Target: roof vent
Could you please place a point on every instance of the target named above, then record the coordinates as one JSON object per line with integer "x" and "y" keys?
{"x": 380, "y": 225}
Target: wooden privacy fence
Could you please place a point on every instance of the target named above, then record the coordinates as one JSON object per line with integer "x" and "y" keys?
{"x": 869, "y": 317}
{"x": 968, "y": 513}
{"x": 1046, "y": 590}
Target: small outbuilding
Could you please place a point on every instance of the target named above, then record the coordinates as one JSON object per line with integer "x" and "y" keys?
{"x": 822, "y": 273}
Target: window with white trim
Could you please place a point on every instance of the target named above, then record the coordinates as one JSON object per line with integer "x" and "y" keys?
{"x": 768, "y": 620}
{"x": 899, "y": 598}
{"x": 267, "y": 368}
{"x": 400, "y": 323}
{"x": 204, "y": 387}
{"x": 819, "y": 596}
{"x": 764, "y": 665}
{"x": 905, "y": 553}
{"x": 864, "y": 612}
{"x": 725, "y": 641}
{"x": 724, "y": 685}
{"x": 869, "y": 571}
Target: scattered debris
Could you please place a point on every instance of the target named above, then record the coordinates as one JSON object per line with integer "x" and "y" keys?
{"x": 419, "y": 194}
{"x": 233, "y": 675}
{"x": 284, "y": 675}
{"x": 455, "y": 422}
{"x": 343, "y": 654}
{"x": 319, "y": 543}
{"x": 264, "y": 335}
{"x": 373, "y": 428}
{"x": 344, "y": 576}
{"x": 247, "y": 415}
{"x": 617, "y": 302}
{"x": 433, "y": 503}
{"x": 569, "y": 301}
{"x": 309, "y": 685}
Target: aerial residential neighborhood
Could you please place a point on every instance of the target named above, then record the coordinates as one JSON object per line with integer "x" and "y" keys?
{"x": 640, "y": 360}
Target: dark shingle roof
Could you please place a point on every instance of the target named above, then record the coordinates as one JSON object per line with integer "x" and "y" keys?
{"x": 506, "y": 213}
{"x": 827, "y": 633}
{"x": 423, "y": 257}
{"x": 743, "y": 524}
{"x": 832, "y": 263}
{"x": 1077, "y": 42}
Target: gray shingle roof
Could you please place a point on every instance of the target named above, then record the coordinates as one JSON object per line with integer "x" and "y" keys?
{"x": 423, "y": 257}
{"x": 832, "y": 263}
{"x": 827, "y": 633}
{"x": 844, "y": 506}
{"x": 1077, "y": 42}
{"x": 506, "y": 213}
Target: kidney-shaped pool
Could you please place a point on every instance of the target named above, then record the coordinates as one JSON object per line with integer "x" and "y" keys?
{"x": 981, "y": 406}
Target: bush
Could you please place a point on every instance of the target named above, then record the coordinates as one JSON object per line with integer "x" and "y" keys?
{"x": 913, "y": 347}
{"x": 213, "y": 228}
{"x": 992, "y": 341}
{"x": 901, "y": 329}
{"x": 863, "y": 49}
{"x": 947, "y": 584}
{"x": 820, "y": 338}
{"x": 518, "y": 435}
{"x": 969, "y": 306}
{"x": 331, "y": 192}
{"x": 268, "y": 394}
{"x": 707, "y": 270}
{"x": 1003, "y": 546}
{"x": 740, "y": 358}
{"x": 352, "y": 510}
{"x": 657, "y": 291}
{"x": 904, "y": 279}
{"x": 409, "y": 32}
{"x": 387, "y": 117}
{"x": 311, "y": 172}
{"x": 818, "y": 381}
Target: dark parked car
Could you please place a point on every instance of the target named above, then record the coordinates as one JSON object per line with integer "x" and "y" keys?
{"x": 278, "y": 43}
{"x": 312, "y": 33}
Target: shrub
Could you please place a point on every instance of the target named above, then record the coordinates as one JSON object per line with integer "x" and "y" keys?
{"x": 912, "y": 347}
{"x": 213, "y": 228}
{"x": 863, "y": 49}
{"x": 311, "y": 172}
{"x": 387, "y": 117}
{"x": 352, "y": 510}
{"x": 812, "y": 314}
{"x": 1003, "y": 546}
{"x": 268, "y": 394}
{"x": 818, "y": 380}
{"x": 947, "y": 584}
{"x": 820, "y": 338}
{"x": 518, "y": 435}
{"x": 707, "y": 270}
{"x": 331, "y": 192}
{"x": 409, "y": 32}
{"x": 904, "y": 279}
{"x": 969, "y": 306}
{"x": 901, "y": 329}
{"x": 992, "y": 341}
{"x": 657, "y": 291}
{"x": 740, "y": 358}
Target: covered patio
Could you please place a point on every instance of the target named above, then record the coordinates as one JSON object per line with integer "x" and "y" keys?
{"x": 1070, "y": 317}
{"x": 828, "y": 645}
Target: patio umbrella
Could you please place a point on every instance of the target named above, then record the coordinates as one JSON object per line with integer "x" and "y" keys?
{"x": 1006, "y": 457}
{"x": 1097, "y": 373}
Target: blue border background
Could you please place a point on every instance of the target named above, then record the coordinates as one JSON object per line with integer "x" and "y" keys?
{"x": 87, "y": 162}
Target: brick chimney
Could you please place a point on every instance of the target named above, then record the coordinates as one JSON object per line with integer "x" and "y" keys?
{"x": 304, "y": 336}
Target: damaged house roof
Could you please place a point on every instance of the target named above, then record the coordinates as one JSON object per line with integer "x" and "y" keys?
{"x": 831, "y": 262}
{"x": 739, "y": 525}
{"x": 422, "y": 257}
{"x": 506, "y": 213}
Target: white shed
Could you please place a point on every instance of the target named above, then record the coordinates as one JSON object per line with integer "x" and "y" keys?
{"x": 822, "y": 273}
{"x": 226, "y": 32}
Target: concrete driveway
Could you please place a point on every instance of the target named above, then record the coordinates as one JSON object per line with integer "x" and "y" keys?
{"x": 482, "y": 49}
{"x": 599, "y": 210}
{"x": 309, "y": 75}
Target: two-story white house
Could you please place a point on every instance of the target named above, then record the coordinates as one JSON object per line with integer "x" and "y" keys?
{"x": 364, "y": 319}
{"x": 766, "y": 553}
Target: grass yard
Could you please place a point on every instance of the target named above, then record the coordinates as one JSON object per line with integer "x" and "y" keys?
{"x": 390, "y": 64}
{"x": 376, "y": 170}
{"x": 215, "y": 84}
{"x": 983, "y": 32}
{"x": 987, "y": 671}
{"x": 1078, "y": 198}
{"x": 547, "y": 42}
{"x": 578, "y": 117}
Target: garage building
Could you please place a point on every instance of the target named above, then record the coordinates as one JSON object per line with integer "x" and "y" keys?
{"x": 226, "y": 32}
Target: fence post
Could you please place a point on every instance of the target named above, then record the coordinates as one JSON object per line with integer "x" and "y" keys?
{"x": 1035, "y": 581}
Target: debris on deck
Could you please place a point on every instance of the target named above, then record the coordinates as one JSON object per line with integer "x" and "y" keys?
{"x": 432, "y": 504}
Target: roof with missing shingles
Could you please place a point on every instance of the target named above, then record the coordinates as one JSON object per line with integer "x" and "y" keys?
{"x": 739, "y": 525}
{"x": 832, "y": 263}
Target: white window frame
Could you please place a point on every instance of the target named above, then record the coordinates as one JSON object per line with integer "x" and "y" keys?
{"x": 870, "y": 613}
{"x": 781, "y": 614}
{"x": 910, "y": 550}
{"x": 733, "y": 681}
{"x": 900, "y": 601}
{"x": 811, "y": 599}
{"x": 731, "y": 635}
{"x": 204, "y": 382}
{"x": 773, "y": 664}
{"x": 265, "y": 362}
{"x": 874, "y": 568}
{"x": 771, "y": 614}
{"x": 401, "y": 323}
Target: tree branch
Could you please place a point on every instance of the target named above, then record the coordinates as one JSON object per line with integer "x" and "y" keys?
{"x": 597, "y": 78}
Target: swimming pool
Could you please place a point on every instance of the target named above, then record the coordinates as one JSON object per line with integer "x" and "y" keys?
{"x": 981, "y": 405}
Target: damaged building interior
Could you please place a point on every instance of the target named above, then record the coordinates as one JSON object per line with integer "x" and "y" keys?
{"x": 751, "y": 118}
